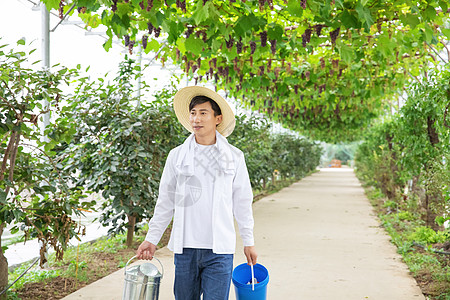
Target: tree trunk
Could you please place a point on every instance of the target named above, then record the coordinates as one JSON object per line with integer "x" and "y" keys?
{"x": 3, "y": 267}
{"x": 432, "y": 202}
{"x": 130, "y": 231}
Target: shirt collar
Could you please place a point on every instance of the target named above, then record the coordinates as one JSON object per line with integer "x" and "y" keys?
{"x": 185, "y": 162}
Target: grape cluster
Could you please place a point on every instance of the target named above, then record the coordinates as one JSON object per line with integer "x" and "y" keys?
{"x": 334, "y": 34}
{"x": 269, "y": 65}
{"x": 379, "y": 22}
{"x": 296, "y": 89}
{"x": 214, "y": 62}
{"x": 144, "y": 41}
{"x": 188, "y": 66}
{"x": 178, "y": 53}
{"x": 126, "y": 40}
{"x": 263, "y": 36}
{"x": 189, "y": 32}
{"x": 318, "y": 29}
{"x": 61, "y": 9}
{"x": 229, "y": 43}
{"x": 303, "y": 4}
{"x": 307, "y": 74}
{"x": 204, "y": 35}
{"x": 199, "y": 62}
{"x": 261, "y": 71}
{"x": 141, "y": 5}
{"x": 277, "y": 71}
{"x": 273, "y": 46}
{"x": 150, "y": 27}
{"x": 149, "y": 5}
{"x": 322, "y": 88}
{"x": 181, "y": 5}
{"x": 306, "y": 37}
{"x": 289, "y": 68}
{"x": 335, "y": 63}
{"x": 157, "y": 32}
{"x": 261, "y": 4}
{"x": 81, "y": 9}
{"x": 322, "y": 63}
{"x": 239, "y": 46}
{"x": 194, "y": 68}
{"x": 130, "y": 47}
{"x": 235, "y": 64}
{"x": 253, "y": 47}
{"x": 251, "y": 61}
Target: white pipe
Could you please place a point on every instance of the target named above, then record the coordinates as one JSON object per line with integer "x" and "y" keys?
{"x": 45, "y": 43}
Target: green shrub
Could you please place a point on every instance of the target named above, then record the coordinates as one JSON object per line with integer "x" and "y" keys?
{"x": 405, "y": 216}
{"x": 427, "y": 235}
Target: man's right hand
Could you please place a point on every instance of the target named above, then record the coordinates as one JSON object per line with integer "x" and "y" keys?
{"x": 146, "y": 250}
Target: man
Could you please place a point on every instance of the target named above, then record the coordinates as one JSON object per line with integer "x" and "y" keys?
{"x": 204, "y": 184}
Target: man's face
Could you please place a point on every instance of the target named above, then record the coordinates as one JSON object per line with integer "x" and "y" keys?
{"x": 203, "y": 120}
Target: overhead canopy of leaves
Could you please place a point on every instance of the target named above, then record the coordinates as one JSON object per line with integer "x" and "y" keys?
{"x": 323, "y": 68}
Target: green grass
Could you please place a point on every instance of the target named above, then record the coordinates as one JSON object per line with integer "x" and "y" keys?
{"x": 81, "y": 264}
{"x": 35, "y": 274}
{"x": 431, "y": 270}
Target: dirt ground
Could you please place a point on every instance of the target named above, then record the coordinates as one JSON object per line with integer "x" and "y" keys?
{"x": 59, "y": 287}
{"x": 100, "y": 265}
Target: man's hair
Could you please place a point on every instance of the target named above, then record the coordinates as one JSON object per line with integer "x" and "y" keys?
{"x": 202, "y": 99}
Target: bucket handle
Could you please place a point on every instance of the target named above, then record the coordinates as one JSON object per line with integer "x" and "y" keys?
{"x": 162, "y": 267}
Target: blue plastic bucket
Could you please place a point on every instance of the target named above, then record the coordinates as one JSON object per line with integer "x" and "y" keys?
{"x": 242, "y": 274}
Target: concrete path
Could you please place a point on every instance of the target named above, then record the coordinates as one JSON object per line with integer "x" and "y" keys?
{"x": 319, "y": 239}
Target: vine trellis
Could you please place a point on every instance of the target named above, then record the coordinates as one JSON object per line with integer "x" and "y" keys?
{"x": 323, "y": 68}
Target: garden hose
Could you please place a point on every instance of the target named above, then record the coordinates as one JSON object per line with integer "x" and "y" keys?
{"x": 7, "y": 288}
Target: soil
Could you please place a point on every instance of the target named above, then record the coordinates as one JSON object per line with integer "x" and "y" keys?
{"x": 430, "y": 286}
{"x": 105, "y": 264}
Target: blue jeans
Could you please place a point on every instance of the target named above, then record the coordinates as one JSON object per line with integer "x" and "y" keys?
{"x": 202, "y": 272}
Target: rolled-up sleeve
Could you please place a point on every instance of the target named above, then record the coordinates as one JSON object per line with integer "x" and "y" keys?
{"x": 164, "y": 208}
{"x": 242, "y": 202}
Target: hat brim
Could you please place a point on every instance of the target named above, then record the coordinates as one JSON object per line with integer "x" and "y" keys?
{"x": 183, "y": 98}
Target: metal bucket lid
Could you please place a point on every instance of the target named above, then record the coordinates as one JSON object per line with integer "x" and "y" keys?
{"x": 144, "y": 272}
{"x": 150, "y": 270}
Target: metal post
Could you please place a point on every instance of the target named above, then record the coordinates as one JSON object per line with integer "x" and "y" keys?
{"x": 45, "y": 43}
{"x": 138, "y": 92}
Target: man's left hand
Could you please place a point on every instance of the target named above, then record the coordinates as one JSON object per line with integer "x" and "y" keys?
{"x": 251, "y": 255}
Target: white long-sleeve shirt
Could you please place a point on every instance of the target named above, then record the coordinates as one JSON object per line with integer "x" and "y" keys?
{"x": 179, "y": 192}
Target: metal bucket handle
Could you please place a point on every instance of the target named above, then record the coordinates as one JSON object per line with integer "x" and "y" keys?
{"x": 162, "y": 267}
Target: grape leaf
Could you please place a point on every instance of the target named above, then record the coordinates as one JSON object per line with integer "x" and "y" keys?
{"x": 364, "y": 14}
{"x": 294, "y": 8}
{"x": 194, "y": 45}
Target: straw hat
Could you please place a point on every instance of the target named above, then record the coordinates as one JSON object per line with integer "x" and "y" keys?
{"x": 183, "y": 98}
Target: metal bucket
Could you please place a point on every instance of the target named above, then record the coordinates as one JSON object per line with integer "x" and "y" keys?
{"x": 142, "y": 281}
